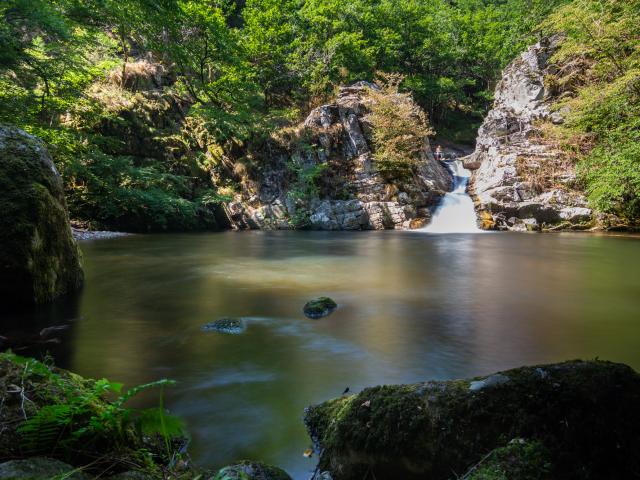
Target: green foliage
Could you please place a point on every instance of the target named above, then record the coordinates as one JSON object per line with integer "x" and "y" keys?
{"x": 603, "y": 97}
{"x": 399, "y": 129}
{"x": 304, "y": 187}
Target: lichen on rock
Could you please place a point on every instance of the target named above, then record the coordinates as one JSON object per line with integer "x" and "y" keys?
{"x": 39, "y": 259}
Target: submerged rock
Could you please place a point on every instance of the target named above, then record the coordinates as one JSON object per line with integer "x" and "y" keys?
{"x": 248, "y": 470}
{"x": 39, "y": 468}
{"x": 584, "y": 413}
{"x": 233, "y": 326}
{"x": 320, "y": 307}
{"x": 39, "y": 259}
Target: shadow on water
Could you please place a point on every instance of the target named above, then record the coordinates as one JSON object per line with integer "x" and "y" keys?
{"x": 412, "y": 307}
{"x": 40, "y": 331}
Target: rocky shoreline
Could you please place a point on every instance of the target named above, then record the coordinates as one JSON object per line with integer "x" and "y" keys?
{"x": 575, "y": 419}
{"x": 81, "y": 234}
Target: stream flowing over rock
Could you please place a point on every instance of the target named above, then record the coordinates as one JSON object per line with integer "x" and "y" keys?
{"x": 356, "y": 197}
{"x": 582, "y": 416}
{"x": 522, "y": 182}
{"x": 39, "y": 259}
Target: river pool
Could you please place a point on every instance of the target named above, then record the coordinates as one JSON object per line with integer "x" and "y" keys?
{"x": 412, "y": 306}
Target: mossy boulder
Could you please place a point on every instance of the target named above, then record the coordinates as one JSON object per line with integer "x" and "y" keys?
{"x": 247, "y": 470}
{"x": 319, "y": 307}
{"x": 584, "y": 413}
{"x": 39, "y": 259}
{"x": 39, "y": 468}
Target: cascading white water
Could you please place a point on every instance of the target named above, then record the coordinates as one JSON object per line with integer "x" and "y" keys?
{"x": 456, "y": 213}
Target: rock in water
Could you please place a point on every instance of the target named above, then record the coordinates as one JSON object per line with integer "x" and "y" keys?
{"x": 247, "y": 470}
{"x": 39, "y": 259}
{"x": 584, "y": 414}
{"x": 320, "y": 307}
{"x": 232, "y": 326}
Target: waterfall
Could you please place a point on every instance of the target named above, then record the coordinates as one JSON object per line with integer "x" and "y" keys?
{"x": 456, "y": 213}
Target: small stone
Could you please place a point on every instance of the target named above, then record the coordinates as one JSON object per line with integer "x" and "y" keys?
{"x": 247, "y": 470}
{"x": 232, "y": 326}
{"x": 320, "y": 307}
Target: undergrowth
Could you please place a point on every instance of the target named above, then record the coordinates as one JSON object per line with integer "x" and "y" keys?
{"x": 54, "y": 413}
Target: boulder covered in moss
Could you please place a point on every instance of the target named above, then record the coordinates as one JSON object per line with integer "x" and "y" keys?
{"x": 39, "y": 468}
{"x": 319, "y": 307}
{"x": 39, "y": 259}
{"x": 585, "y": 414}
{"x": 247, "y": 470}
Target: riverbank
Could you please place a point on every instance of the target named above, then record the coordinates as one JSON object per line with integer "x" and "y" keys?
{"x": 56, "y": 424}
{"x": 569, "y": 420}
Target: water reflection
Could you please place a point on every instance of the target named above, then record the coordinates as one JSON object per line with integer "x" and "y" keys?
{"x": 412, "y": 307}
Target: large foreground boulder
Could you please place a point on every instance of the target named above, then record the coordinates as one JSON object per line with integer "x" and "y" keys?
{"x": 39, "y": 259}
{"x": 580, "y": 418}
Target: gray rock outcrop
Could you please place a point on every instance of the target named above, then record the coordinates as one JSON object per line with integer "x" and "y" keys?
{"x": 39, "y": 259}
{"x": 521, "y": 181}
{"x": 358, "y": 197}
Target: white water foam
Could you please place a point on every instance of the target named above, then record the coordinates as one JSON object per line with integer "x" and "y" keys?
{"x": 456, "y": 213}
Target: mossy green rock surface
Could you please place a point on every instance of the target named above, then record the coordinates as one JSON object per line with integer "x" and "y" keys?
{"x": 39, "y": 259}
{"x": 39, "y": 468}
{"x": 248, "y": 470}
{"x": 585, "y": 414}
{"x": 320, "y": 307}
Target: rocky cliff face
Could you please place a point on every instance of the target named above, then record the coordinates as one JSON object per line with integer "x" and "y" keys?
{"x": 349, "y": 193}
{"x": 39, "y": 259}
{"x": 521, "y": 181}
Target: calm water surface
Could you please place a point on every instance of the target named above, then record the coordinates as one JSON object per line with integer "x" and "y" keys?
{"x": 413, "y": 307}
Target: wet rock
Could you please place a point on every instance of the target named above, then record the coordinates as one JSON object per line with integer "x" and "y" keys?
{"x": 320, "y": 307}
{"x": 248, "y": 470}
{"x": 232, "y": 326}
{"x": 583, "y": 413}
{"x": 39, "y": 468}
{"x": 39, "y": 259}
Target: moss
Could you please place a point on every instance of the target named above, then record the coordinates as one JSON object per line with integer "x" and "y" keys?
{"x": 519, "y": 460}
{"x": 39, "y": 260}
{"x": 319, "y": 307}
{"x": 434, "y": 428}
{"x": 248, "y": 470}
